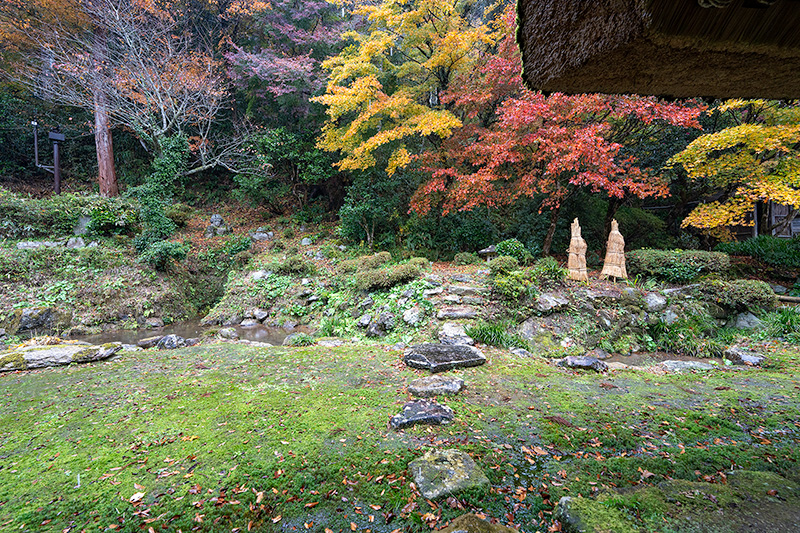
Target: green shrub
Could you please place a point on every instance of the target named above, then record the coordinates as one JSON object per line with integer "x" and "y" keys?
{"x": 503, "y": 264}
{"x": 179, "y": 214}
{"x": 740, "y": 294}
{"x": 421, "y": 262}
{"x": 547, "y": 272}
{"x": 293, "y": 264}
{"x": 369, "y": 262}
{"x": 25, "y": 217}
{"x": 511, "y": 285}
{"x": 466, "y": 258}
{"x": 495, "y": 334}
{"x": 676, "y": 266}
{"x": 160, "y": 255}
{"x": 384, "y": 278}
{"x": 515, "y": 249}
{"x": 301, "y": 339}
{"x": 767, "y": 249}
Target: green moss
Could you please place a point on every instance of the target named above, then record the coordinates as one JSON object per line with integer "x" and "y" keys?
{"x": 583, "y": 515}
{"x": 12, "y": 361}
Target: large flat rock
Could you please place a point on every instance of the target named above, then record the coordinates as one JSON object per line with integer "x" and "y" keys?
{"x": 30, "y": 357}
{"x": 422, "y": 412}
{"x": 441, "y": 357}
{"x": 435, "y": 385}
{"x": 456, "y": 312}
{"x": 444, "y": 472}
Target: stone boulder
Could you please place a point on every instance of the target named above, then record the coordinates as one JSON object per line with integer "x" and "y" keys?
{"x": 745, "y": 321}
{"x": 441, "y": 357}
{"x": 550, "y": 302}
{"x": 583, "y": 363}
{"x": 412, "y": 316}
{"x": 30, "y": 357}
{"x": 435, "y": 385}
{"x": 471, "y": 523}
{"x": 453, "y": 333}
{"x": 654, "y": 302}
{"x": 154, "y": 322}
{"x": 217, "y": 227}
{"x": 149, "y": 342}
{"x": 260, "y": 235}
{"x": 743, "y": 356}
{"x": 228, "y": 333}
{"x": 445, "y": 472}
{"x": 455, "y": 312}
{"x": 171, "y": 342}
{"x": 38, "y": 320}
{"x": 421, "y": 412}
{"x": 379, "y": 328}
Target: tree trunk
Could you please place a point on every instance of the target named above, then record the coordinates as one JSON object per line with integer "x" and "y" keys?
{"x": 548, "y": 240}
{"x": 107, "y": 175}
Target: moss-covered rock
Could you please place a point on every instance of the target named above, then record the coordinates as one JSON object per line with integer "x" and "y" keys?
{"x": 584, "y": 515}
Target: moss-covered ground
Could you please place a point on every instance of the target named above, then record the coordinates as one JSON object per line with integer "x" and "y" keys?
{"x": 227, "y": 437}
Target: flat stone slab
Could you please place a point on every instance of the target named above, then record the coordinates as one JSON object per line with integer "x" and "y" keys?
{"x": 444, "y": 472}
{"x": 453, "y": 333}
{"x": 422, "y": 412}
{"x": 455, "y": 312}
{"x": 471, "y": 523}
{"x": 685, "y": 366}
{"x": 467, "y": 290}
{"x": 743, "y": 356}
{"x": 435, "y": 385}
{"x": 441, "y": 357}
{"x": 583, "y": 363}
{"x": 30, "y": 357}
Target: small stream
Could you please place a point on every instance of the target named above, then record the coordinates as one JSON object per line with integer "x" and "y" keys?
{"x": 189, "y": 329}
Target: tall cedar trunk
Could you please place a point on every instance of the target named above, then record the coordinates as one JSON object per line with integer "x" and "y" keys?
{"x": 614, "y": 204}
{"x": 107, "y": 176}
{"x": 548, "y": 240}
{"x": 763, "y": 224}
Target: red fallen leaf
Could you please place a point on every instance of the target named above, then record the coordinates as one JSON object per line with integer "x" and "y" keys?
{"x": 409, "y": 507}
{"x": 45, "y": 522}
{"x": 137, "y": 486}
{"x": 375, "y": 507}
{"x": 772, "y": 492}
{"x": 311, "y": 504}
{"x": 560, "y": 420}
{"x": 353, "y": 526}
{"x": 277, "y": 519}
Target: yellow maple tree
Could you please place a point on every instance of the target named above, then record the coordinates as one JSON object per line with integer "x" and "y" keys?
{"x": 382, "y": 99}
{"x": 756, "y": 160}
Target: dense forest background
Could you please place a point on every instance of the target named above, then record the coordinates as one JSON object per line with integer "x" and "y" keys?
{"x": 405, "y": 121}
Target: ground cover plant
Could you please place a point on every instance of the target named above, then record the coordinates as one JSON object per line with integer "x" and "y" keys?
{"x": 227, "y": 437}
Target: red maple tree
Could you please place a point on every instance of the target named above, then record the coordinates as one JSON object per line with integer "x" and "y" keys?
{"x": 518, "y": 143}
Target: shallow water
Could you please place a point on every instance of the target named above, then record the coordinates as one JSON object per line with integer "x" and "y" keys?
{"x": 189, "y": 329}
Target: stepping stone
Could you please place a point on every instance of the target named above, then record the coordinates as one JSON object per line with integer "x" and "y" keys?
{"x": 29, "y": 357}
{"x": 421, "y": 412}
{"x": 743, "y": 356}
{"x": 332, "y": 342}
{"x": 455, "y": 312}
{"x": 453, "y": 333}
{"x": 435, "y": 385}
{"x": 149, "y": 342}
{"x": 444, "y": 472}
{"x": 685, "y": 366}
{"x": 466, "y": 290}
{"x": 441, "y": 357}
{"x": 471, "y": 523}
{"x": 583, "y": 363}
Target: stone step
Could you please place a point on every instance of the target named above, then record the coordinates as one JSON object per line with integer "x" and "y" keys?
{"x": 456, "y": 311}
{"x": 421, "y": 412}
